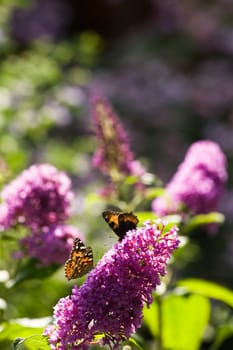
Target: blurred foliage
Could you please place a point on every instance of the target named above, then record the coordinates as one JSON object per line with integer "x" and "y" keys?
{"x": 41, "y": 96}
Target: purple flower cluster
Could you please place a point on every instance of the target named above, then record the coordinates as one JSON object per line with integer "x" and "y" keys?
{"x": 111, "y": 300}
{"x": 198, "y": 183}
{"x": 113, "y": 155}
{"x": 52, "y": 245}
{"x": 39, "y": 197}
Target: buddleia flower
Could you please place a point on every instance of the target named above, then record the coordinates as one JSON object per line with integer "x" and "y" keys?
{"x": 39, "y": 197}
{"x": 51, "y": 245}
{"x": 199, "y": 182}
{"x": 111, "y": 300}
{"x": 113, "y": 155}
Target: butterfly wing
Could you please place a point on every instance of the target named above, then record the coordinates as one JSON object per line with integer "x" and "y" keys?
{"x": 111, "y": 217}
{"x": 127, "y": 222}
{"x": 80, "y": 261}
{"x": 120, "y": 222}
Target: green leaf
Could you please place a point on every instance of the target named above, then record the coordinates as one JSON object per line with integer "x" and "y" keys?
{"x": 183, "y": 321}
{"x": 208, "y": 289}
{"x": 224, "y": 332}
{"x": 130, "y": 180}
{"x": 13, "y": 329}
{"x": 151, "y": 318}
{"x": 16, "y": 332}
{"x": 30, "y": 270}
{"x": 145, "y": 215}
{"x": 152, "y": 193}
{"x": 203, "y": 219}
{"x": 134, "y": 342}
{"x": 99, "y": 336}
{"x": 35, "y": 342}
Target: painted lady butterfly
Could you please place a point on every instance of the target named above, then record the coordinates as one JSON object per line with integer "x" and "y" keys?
{"x": 80, "y": 261}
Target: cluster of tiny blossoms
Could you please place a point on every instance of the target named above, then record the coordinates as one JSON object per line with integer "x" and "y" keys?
{"x": 40, "y": 196}
{"x": 111, "y": 300}
{"x": 52, "y": 245}
{"x": 40, "y": 199}
{"x": 198, "y": 183}
{"x": 113, "y": 155}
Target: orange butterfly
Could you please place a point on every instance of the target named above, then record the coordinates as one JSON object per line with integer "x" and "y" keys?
{"x": 80, "y": 261}
{"x": 120, "y": 222}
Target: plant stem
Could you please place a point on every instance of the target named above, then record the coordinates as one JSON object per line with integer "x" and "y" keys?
{"x": 160, "y": 323}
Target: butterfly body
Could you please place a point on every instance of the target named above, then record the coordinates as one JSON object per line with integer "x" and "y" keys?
{"x": 120, "y": 222}
{"x": 80, "y": 261}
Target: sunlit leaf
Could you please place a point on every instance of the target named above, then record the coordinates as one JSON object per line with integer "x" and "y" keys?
{"x": 203, "y": 219}
{"x": 145, "y": 215}
{"x": 151, "y": 318}
{"x": 14, "y": 334}
{"x": 180, "y": 319}
{"x": 130, "y": 180}
{"x": 183, "y": 321}
{"x": 208, "y": 289}
{"x": 35, "y": 342}
{"x": 134, "y": 342}
{"x": 99, "y": 336}
{"x": 152, "y": 193}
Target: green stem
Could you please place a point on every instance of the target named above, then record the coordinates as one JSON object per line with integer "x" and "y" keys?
{"x": 160, "y": 324}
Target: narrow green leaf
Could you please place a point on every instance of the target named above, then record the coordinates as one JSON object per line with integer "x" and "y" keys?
{"x": 224, "y": 332}
{"x": 183, "y": 322}
{"x": 35, "y": 342}
{"x": 133, "y": 341}
{"x": 203, "y": 219}
{"x": 208, "y": 289}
